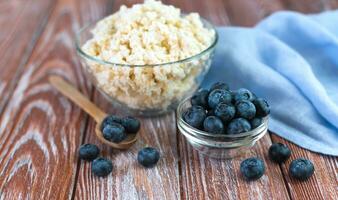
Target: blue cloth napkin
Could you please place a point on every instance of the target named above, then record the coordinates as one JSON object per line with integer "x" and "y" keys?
{"x": 291, "y": 60}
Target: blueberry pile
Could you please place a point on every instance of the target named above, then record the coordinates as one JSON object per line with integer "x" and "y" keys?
{"x": 115, "y": 129}
{"x": 300, "y": 169}
{"x": 224, "y": 111}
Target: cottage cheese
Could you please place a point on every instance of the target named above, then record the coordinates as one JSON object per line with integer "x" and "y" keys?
{"x": 148, "y": 34}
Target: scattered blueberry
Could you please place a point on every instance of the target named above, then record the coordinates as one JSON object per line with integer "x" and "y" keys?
{"x": 88, "y": 152}
{"x": 279, "y": 152}
{"x": 225, "y": 112}
{"x": 114, "y": 132}
{"x": 252, "y": 168}
{"x": 219, "y": 96}
{"x": 195, "y": 116}
{"x": 131, "y": 124}
{"x": 262, "y": 107}
{"x": 301, "y": 169}
{"x": 256, "y": 122}
{"x": 213, "y": 124}
{"x": 102, "y": 167}
{"x": 148, "y": 157}
{"x": 109, "y": 120}
{"x": 243, "y": 94}
{"x": 245, "y": 109}
{"x": 238, "y": 125}
{"x": 219, "y": 85}
{"x": 200, "y": 98}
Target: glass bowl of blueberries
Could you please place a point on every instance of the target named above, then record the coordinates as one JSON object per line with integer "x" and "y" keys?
{"x": 223, "y": 123}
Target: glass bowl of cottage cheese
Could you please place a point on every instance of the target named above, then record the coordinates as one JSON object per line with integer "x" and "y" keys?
{"x": 147, "y": 58}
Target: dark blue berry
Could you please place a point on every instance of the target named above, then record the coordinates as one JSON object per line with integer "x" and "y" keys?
{"x": 243, "y": 94}
{"x": 279, "y": 152}
{"x": 262, "y": 107}
{"x": 238, "y": 125}
{"x": 148, "y": 157}
{"x": 301, "y": 169}
{"x": 114, "y": 132}
{"x": 218, "y": 96}
{"x": 256, "y": 122}
{"x": 88, "y": 152}
{"x": 219, "y": 85}
{"x": 252, "y": 168}
{"x": 195, "y": 116}
{"x": 225, "y": 112}
{"x": 131, "y": 124}
{"x": 245, "y": 109}
{"x": 213, "y": 125}
{"x": 102, "y": 167}
{"x": 109, "y": 120}
{"x": 200, "y": 98}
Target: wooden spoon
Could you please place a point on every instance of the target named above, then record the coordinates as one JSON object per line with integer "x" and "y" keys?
{"x": 73, "y": 94}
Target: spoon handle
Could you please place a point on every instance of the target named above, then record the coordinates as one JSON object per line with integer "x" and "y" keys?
{"x": 73, "y": 94}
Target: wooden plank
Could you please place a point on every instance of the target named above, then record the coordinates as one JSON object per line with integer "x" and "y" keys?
{"x": 248, "y": 13}
{"x": 129, "y": 180}
{"x": 40, "y": 129}
{"x": 205, "y": 178}
{"x": 322, "y": 185}
{"x": 17, "y": 39}
{"x": 305, "y": 6}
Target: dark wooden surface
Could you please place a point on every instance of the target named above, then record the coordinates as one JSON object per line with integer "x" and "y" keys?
{"x": 40, "y": 130}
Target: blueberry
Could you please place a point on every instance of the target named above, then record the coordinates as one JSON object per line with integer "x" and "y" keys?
{"x": 88, "y": 152}
{"x": 245, "y": 109}
{"x": 148, "y": 157}
{"x": 109, "y": 120}
{"x": 256, "y": 122}
{"x": 243, "y": 94}
{"x": 195, "y": 116}
{"x": 102, "y": 167}
{"x": 252, "y": 168}
{"x": 213, "y": 125}
{"x": 114, "y": 132}
{"x": 219, "y": 96}
{"x": 131, "y": 124}
{"x": 262, "y": 107}
{"x": 225, "y": 112}
{"x": 238, "y": 125}
{"x": 279, "y": 152}
{"x": 219, "y": 85}
{"x": 301, "y": 169}
{"x": 200, "y": 98}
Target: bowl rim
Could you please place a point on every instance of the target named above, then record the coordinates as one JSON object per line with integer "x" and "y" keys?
{"x": 95, "y": 59}
{"x": 220, "y": 136}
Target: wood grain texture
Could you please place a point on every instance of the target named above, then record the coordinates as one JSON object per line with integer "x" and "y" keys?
{"x": 322, "y": 185}
{"x": 205, "y": 178}
{"x": 17, "y": 39}
{"x": 40, "y": 129}
{"x": 129, "y": 180}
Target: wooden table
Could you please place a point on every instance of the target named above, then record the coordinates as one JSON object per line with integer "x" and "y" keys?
{"x": 41, "y": 130}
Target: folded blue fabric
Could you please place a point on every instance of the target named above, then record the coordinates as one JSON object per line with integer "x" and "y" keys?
{"x": 291, "y": 60}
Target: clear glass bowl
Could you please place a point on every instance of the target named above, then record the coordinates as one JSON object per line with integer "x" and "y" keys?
{"x": 133, "y": 88}
{"x": 218, "y": 145}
